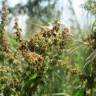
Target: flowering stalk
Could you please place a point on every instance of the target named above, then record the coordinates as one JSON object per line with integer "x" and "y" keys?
{"x": 3, "y": 41}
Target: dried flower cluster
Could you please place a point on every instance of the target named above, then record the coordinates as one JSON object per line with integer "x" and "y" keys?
{"x": 27, "y": 62}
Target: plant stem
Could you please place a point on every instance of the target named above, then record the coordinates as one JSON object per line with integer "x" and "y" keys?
{"x": 91, "y": 92}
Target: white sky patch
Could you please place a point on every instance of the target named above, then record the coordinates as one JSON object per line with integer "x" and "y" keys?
{"x": 77, "y": 4}
{"x": 21, "y": 21}
{"x": 79, "y": 10}
{"x": 12, "y": 3}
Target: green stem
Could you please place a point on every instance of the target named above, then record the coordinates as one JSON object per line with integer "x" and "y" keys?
{"x": 91, "y": 92}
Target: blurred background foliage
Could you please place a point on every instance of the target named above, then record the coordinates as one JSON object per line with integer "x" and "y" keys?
{"x": 51, "y": 59}
{"x": 39, "y": 12}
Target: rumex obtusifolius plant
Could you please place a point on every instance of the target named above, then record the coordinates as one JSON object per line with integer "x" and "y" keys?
{"x": 18, "y": 66}
{"x": 46, "y": 50}
{"x": 26, "y": 66}
{"x": 89, "y": 70}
